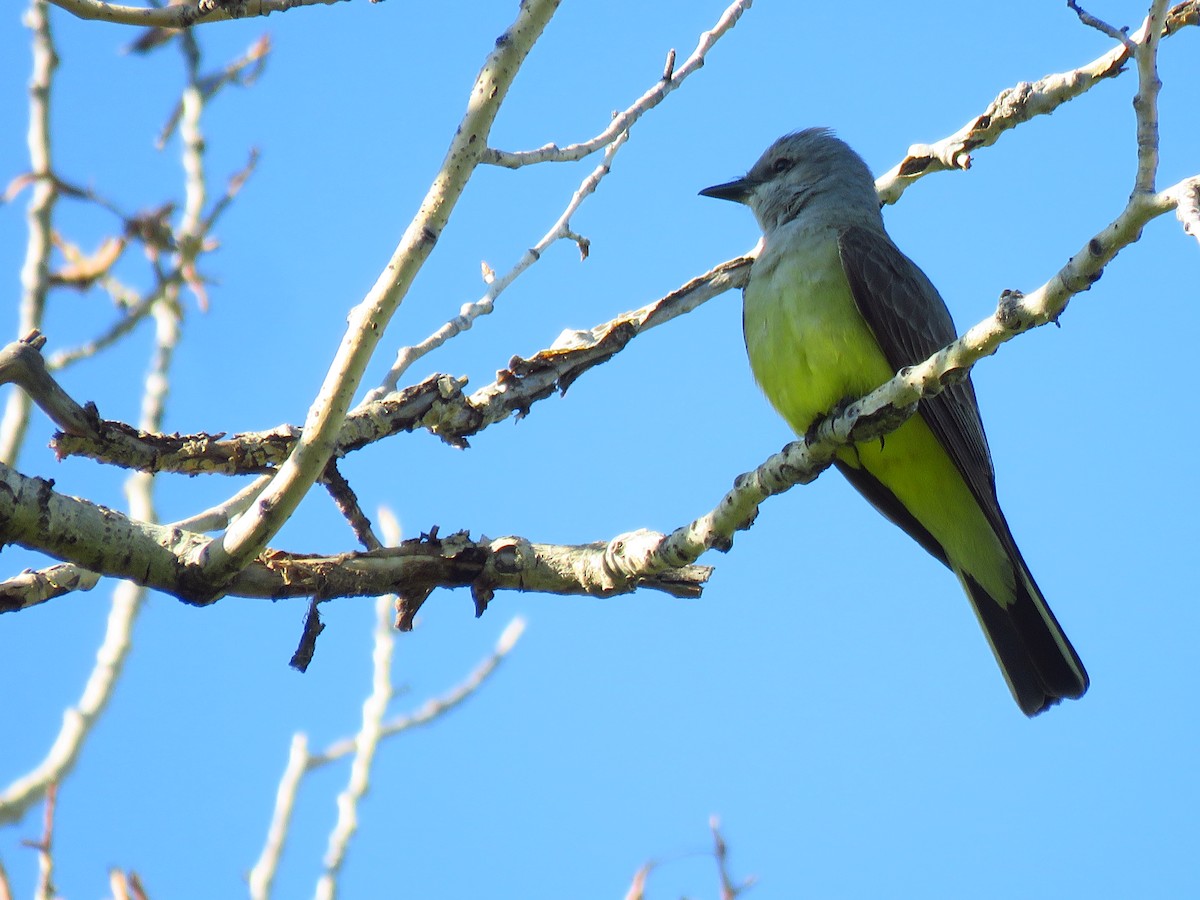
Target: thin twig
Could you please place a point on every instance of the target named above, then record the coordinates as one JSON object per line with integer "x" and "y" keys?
{"x": 262, "y": 875}
{"x": 128, "y": 596}
{"x": 432, "y": 710}
{"x": 301, "y": 761}
{"x": 35, "y": 271}
{"x": 624, "y": 120}
{"x": 45, "y": 889}
{"x": 1018, "y": 104}
{"x": 1103, "y": 27}
{"x": 560, "y": 230}
{"x": 366, "y": 742}
{"x": 730, "y": 890}
{"x": 1145, "y": 103}
{"x": 347, "y": 504}
{"x": 130, "y": 319}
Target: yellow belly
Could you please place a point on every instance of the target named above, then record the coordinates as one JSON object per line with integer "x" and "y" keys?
{"x": 809, "y": 349}
{"x": 808, "y": 346}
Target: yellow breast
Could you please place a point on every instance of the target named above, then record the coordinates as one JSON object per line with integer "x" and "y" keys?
{"x": 808, "y": 345}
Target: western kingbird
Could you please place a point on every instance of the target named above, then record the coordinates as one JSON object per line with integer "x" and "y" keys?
{"x": 833, "y": 310}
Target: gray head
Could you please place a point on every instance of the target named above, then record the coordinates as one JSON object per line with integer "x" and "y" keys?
{"x": 809, "y": 174}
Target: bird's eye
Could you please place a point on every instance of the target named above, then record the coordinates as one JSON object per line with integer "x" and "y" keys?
{"x": 781, "y": 165}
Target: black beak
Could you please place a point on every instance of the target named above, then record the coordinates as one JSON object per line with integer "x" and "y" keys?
{"x": 738, "y": 191}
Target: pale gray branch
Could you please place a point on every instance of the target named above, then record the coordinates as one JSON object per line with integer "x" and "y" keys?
{"x": 180, "y": 14}
{"x": 1018, "y": 104}
{"x": 21, "y": 363}
{"x": 1145, "y": 103}
{"x": 560, "y": 230}
{"x": 301, "y": 761}
{"x": 621, "y": 123}
{"x": 366, "y": 742}
{"x": 35, "y": 271}
{"x": 128, "y": 596}
{"x": 437, "y": 404}
{"x": 155, "y": 556}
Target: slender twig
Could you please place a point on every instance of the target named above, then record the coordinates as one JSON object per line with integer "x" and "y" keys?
{"x": 366, "y": 742}
{"x": 1117, "y": 34}
{"x": 130, "y": 319}
{"x": 347, "y": 504}
{"x": 560, "y": 230}
{"x": 637, "y": 887}
{"x": 1145, "y": 103}
{"x": 232, "y": 188}
{"x": 730, "y": 889}
{"x": 128, "y": 596}
{"x": 45, "y": 889}
{"x": 301, "y": 761}
{"x": 262, "y": 875}
{"x": 126, "y": 885}
{"x": 1020, "y": 103}
{"x": 671, "y": 79}
{"x": 432, "y": 710}
{"x": 35, "y": 271}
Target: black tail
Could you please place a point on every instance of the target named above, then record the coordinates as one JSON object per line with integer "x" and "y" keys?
{"x": 1038, "y": 661}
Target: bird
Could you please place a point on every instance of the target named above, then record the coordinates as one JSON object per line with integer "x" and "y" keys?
{"x": 832, "y": 310}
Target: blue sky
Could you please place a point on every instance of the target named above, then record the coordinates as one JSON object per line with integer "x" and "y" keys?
{"x": 830, "y": 697}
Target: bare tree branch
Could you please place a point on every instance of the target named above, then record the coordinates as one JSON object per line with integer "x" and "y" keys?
{"x": 246, "y": 537}
{"x": 621, "y": 123}
{"x": 1121, "y": 34}
{"x": 730, "y": 889}
{"x": 38, "y": 517}
{"x": 45, "y": 889}
{"x": 35, "y": 272}
{"x": 1020, "y": 103}
{"x": 561, "y": 230}
{"x": 128, "y": 596}
{"x": 301, "y": 761}
{"x": 370, "y": 733}
{"x": 437, "y": 404}
{"x": 181, "y": 14}
{"x": 1145, "y": 103}
{"x": 21, "y": 364}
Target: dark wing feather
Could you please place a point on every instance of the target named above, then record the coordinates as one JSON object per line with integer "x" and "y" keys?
{"x": 911, "y": 322}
